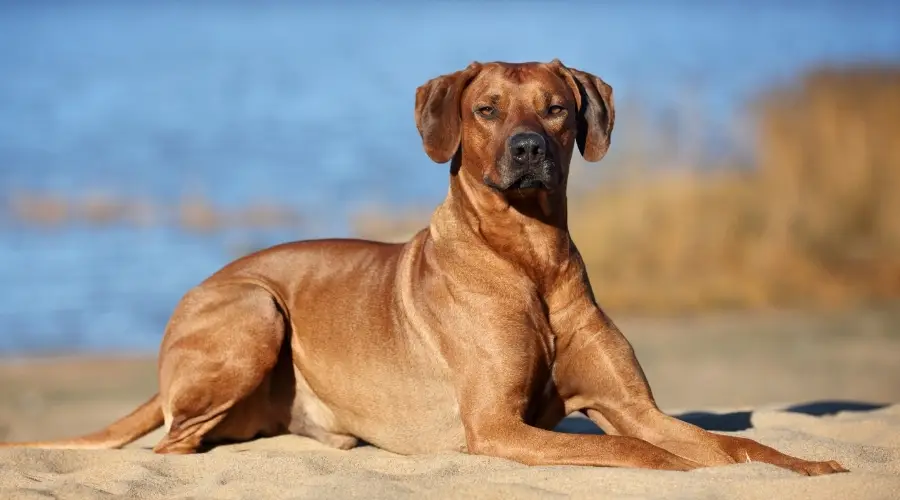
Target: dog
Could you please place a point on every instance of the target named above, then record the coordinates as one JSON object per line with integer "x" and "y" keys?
{"x": 479, "y": 334}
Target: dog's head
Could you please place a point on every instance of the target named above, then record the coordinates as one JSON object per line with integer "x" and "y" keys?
{"x": 516, "y": 123}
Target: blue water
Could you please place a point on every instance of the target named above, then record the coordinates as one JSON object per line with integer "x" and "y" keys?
{"x": 309, "y": 105}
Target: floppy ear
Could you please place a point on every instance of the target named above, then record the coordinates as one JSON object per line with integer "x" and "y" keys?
{"x": 438, "y": 115}
{"x": 596, "y": 111}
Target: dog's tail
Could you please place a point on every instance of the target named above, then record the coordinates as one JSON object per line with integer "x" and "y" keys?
{"x": 137, "y": 424}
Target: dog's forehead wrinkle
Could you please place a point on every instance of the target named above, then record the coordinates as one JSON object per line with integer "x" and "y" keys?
{"x": 534, "y": 97}
{"x": 523, "y": 86}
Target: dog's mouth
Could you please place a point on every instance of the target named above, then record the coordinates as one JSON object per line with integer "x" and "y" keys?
{"x": 521, "y": 186}
{"x": 528, "y": 183}
{"x": 537, "y": 178}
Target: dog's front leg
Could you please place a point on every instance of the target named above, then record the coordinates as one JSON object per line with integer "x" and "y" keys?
{"x": 497, "y": 374}
{"x": 596, "y": 372}
{"x": 493, "y": 401}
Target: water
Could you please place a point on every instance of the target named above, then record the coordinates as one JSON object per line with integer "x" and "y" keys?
{"x": 307, "y": 105}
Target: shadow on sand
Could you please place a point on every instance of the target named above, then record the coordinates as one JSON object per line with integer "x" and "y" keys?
{"x": 732, "y": 421}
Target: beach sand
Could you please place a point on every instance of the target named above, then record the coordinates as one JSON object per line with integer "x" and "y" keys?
{"x": 818, "y": 387}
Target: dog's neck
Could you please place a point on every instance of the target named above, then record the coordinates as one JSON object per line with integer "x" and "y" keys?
{"x": 527, "y": 231}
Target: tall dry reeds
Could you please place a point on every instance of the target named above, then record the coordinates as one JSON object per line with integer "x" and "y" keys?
{"x": 815, "y": 223}
{"x": 829, "y": 158}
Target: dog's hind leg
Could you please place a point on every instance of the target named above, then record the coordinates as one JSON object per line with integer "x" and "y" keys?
{"x": 220, "y": 347}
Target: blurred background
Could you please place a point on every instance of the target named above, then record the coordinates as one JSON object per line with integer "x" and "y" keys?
{"x": 748, "y": 212}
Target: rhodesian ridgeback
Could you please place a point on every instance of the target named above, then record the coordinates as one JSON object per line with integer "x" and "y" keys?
{"x": 479, "y": 334}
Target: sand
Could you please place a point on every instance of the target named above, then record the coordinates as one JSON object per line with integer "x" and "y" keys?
{"x": 745, "y": 374}
{"x": 866, "y": 442}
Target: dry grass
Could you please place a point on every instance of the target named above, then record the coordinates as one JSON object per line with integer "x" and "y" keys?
{"x": 193, "y": 213}
{"x": 815, "y": 223}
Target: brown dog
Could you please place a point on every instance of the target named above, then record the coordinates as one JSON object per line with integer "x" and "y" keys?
{"x": 478, "y": 335}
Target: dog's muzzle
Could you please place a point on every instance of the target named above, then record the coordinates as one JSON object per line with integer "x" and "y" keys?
{"x": 528, "y": 164}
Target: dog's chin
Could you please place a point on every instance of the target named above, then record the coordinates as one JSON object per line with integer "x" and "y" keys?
{"x": 530, "y": 196}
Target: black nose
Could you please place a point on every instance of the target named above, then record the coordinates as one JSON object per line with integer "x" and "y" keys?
{"x": 528, "y": 148}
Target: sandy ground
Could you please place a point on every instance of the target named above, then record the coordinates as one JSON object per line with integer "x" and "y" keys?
{"x": 820, "y": 387}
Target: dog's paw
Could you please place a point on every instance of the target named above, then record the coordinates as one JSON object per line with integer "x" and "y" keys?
{"x": 816, "y": 468}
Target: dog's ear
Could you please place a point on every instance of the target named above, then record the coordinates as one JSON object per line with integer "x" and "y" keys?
{"x": 596, "y": 111}
{"x": 438, "y": 115}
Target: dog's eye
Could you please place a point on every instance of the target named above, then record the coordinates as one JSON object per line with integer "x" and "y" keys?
{"x": 486, "y": 111}
{"x": 555, "y": 110}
